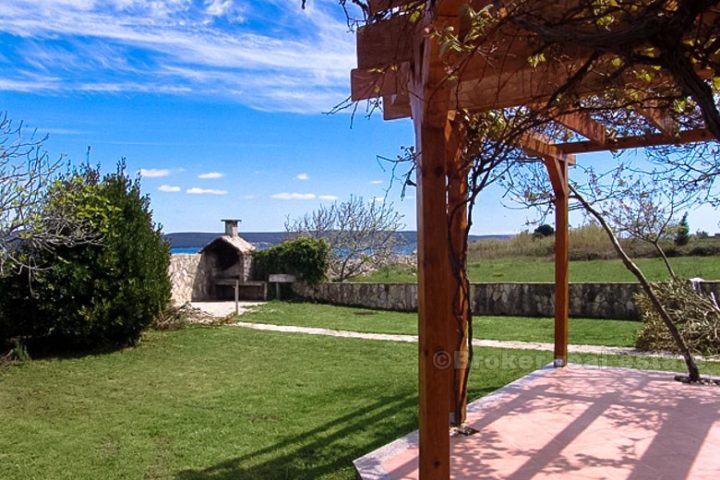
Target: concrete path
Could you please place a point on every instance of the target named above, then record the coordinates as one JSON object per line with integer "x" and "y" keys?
{"x": 223, "y": 309}
{"x": 546, "y": 347}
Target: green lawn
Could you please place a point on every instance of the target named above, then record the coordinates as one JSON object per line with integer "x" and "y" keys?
{"x": 217, "y": 403}
{"x": 582, "y": 330}
{"x": 224, "y": 403}
{"x": 529, "y": 269}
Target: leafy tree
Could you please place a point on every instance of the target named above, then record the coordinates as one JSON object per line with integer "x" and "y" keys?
{"x": 682, "y": 235}
{"x": 544, "y": 230}
{"x": 361, "y": 234}
{"x": 94, "y": 294}
{"x": 26, "y": 174}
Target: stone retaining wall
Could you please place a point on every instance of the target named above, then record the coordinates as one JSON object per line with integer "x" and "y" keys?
{"x": 189, "y": 277}
{"x": 590, "y": 300}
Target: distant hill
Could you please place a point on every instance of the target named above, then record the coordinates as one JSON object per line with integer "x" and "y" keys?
{"x": 261, "y": 240}
{"x": 198, "y": 240}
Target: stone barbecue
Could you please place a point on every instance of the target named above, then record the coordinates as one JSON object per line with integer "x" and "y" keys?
{"x": 222, "y": 270}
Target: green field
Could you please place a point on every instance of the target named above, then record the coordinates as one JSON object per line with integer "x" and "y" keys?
{"x": 226, "y": 403}
{"x": 529, "y": 269}
{"x": 585, "y": 331}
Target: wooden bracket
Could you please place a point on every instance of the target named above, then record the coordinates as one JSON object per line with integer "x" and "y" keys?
{"x": 538, "y": 146}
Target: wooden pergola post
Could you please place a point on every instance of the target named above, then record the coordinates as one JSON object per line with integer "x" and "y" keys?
{"x": 557, "y": 161}
{"x": 429, "y": 103}
{"x": 558, "y": 171}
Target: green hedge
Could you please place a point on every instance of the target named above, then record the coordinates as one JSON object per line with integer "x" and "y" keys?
{"x": 304, "y": 257}
{"x": 102, "y": 293}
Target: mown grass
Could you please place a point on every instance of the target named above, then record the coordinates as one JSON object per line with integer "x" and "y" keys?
{"x": 226, "y": 402}
{"x": 583, "y": 331}
{"x": 212, "y": 403}
{"x": 528, "y": 269}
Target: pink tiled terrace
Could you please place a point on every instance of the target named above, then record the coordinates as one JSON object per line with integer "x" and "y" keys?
{"x": 578, "y": 423}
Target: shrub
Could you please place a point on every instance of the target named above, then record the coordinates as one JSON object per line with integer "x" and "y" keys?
{"x": 695, "y": 315}
{"x": 682, "y": 234}
{"x": 305, "y": 258}
{"x": 102, "y": 293}
{"x": 544, "y": 230}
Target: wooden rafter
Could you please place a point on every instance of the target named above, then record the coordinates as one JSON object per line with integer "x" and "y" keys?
{"x": 659, "y": 120}
{"x": 583, "y": 124}
{"x": 483, "y": 88}
{"x": 640, "y": 141}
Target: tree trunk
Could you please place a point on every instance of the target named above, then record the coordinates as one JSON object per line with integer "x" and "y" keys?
{"x": 665, "y": 259}
{"x": 693, "y": 372}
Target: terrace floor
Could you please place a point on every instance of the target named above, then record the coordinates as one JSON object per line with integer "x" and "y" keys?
{"x": 577, "y": 423}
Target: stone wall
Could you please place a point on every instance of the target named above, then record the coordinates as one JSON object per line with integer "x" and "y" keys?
{"x": 189, "y": 275}
{"x": 590, "y": 300}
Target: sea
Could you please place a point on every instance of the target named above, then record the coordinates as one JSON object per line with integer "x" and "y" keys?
{"x": 193, "y": 242}
{"x": 404, "y": 249}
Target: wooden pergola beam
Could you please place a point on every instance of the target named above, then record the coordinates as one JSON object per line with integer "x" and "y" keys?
{"x": 385, "y": 49}
{"x": 389, "y": 42}
{"x": 540, "y": 147}
{"x": 494, "y": 90}
{"x": 640, "y": 141}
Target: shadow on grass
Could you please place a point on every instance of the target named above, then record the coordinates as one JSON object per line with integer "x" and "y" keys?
{"x": 48, "y": 348}
{"x": 326, "y": 450}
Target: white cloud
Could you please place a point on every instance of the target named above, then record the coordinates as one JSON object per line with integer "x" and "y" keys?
{"x": 61, "y": 131}
{"x": 379, "y": 199}
{"x": 169, "y": 188}
{"x": 294, "y": 196}
{"x": 249, "y": 197}
{"x": 205, "y": 191}
{"x": 211, "y": 175}
{"x": 224, "y": 8}
{"x": 376, "y": 182}
{"x": 303, "y": 176}
{"x": 298, "y": 61}
{"x": 328, "y": 197}
{"x": 154, "y": 172}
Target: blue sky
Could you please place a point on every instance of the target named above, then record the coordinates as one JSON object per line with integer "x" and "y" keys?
{"x": 218, "y": 103}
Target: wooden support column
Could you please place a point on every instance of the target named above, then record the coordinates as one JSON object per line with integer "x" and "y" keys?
{"x": 429, "y": 99}
{"x": 457, "y": 173}
{"x": 558, "y": 170}
{"x": 435, "y": 322}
